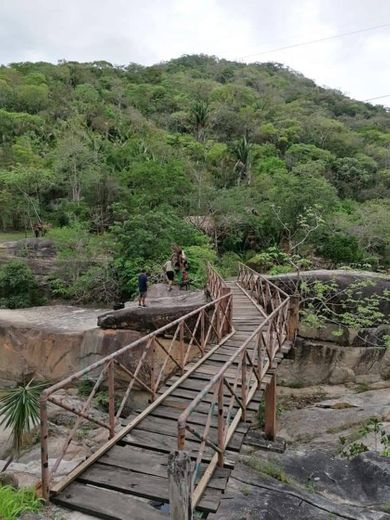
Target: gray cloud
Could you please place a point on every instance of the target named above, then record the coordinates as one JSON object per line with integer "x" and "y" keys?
{"x": 149, "y": 31}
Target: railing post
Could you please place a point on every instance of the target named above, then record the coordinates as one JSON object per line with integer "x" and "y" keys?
{"x": 230, "y": 313}
{"x": 202, "y": 331}
{"x": 270, "y": 409}
{"x": 293, "y": 317}
{"x": 244, "y": 395}
{"x": 217, "y": 320}
{"x": 221, "y": 425}
{"x": 111, "y": 398}
{"x": 225, "y": 311}
{"x": 260, "y": 356}
{"x": 153, "y": 371}
{"x": 180, "y": 485}
{"x": 181, "y": 346}
{"x": 44, "y": 448}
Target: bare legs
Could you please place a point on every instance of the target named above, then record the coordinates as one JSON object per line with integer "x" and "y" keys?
{"x": 141, "y": 300}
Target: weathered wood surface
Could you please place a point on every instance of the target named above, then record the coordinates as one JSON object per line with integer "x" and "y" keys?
{"x": 132, "y": 477}
{"x": 180, "y": 486}
{"x": 105, "y": 503}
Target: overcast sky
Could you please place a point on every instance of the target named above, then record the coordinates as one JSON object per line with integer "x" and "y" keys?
{"x": 149, "y": 31}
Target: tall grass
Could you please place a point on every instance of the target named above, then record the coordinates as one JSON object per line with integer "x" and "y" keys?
{"x": 15, "y": 502}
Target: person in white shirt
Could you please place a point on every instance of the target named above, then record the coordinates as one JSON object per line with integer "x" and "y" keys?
{"x": 169, "y": 273}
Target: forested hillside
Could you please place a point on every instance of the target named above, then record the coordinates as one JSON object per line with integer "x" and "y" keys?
{"x": 275, "y": 168}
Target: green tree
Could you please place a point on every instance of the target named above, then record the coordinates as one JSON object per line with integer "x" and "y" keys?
{"x": 18, "y": 287}
{"x": 242, "y": 153}
{"x": 200, "y": 117}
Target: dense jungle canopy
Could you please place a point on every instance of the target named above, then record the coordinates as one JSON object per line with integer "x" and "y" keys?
{"x": 228, "y": 160}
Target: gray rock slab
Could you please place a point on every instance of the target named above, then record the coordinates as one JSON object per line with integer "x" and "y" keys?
{"x": 252, "y": 495}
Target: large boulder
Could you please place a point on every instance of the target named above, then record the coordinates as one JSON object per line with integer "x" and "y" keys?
{"x": 313, "y": 362}
{"x": 377, "y": 283}
{"x": 52, "y": 342}
{"x": 307, "y": 487}
{"x": 163, "y": 307}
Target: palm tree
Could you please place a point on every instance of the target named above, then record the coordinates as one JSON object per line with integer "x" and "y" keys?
{"x": 200, "y": 117}
{"x": 19, "y": 411}
{"x": 242, "y": 152}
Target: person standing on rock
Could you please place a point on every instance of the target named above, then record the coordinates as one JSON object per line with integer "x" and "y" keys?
{"x": 142, "y": 288}
{"x": 169, "y": 273}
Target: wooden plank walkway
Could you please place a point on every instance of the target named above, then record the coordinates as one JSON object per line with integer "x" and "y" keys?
{"x": 130, "y": 480}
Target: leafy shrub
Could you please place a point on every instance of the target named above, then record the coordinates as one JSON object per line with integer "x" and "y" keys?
{"x": 144, "y": 242}
{"x": 98, "y": 284}
{"x": 15, "y": 502}
{"x": 198, "y": 256}
{"x": 263, "y": 262}
{"x": 381, "y": 440}
{"x": 341, "y": 248}
{"x": 275, "y": 261}
{"x": 18, "y": 287}
{"x": 228, "y": 264}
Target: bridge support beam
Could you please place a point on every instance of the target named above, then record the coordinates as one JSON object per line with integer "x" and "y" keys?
{"x": 270, "y": 409}
{"x": 180, "y": 485}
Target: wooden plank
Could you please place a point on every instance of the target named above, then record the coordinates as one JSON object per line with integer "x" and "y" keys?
{"x": 107, "y": 504}
{"x": 168, "y": 427}
{"x": 198, "y": 384}
{"x": 136, "y": 459}
{"x": 153, "y": 463}
{"x": 166, "y": 444}
{"x": 140, "y": 485}
{"x": 186, "y": 396}
{"x": 195, "y": 418}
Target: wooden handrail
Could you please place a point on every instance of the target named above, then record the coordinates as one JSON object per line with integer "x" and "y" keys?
{"x": 241, "y": 375}
{"x": 245, "y": 267}
{"x": 196, "y": 330}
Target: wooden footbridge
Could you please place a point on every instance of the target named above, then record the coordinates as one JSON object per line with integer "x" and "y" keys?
{"x": 205, "y": 373}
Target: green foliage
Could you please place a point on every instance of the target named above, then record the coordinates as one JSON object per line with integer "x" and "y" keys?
{"x": 198, "y": 257}
{"x": 340, "y": 248}
{"x": 15, "y": 502}
{"x": 144, "y": 242}
{"x": 374, "y": 428}
{"x": 354, "y": 310}
{"x": 85, "y": 268}
{"x": 268, "y": 468}
{"x": 228, "y": 264}
{"x": 18, "y": 287}
{"x": 275, "y": 261}
{"x": 19, "y": 411}
{"x": 253, "y": 148}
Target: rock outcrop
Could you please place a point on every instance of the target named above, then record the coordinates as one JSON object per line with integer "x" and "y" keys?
{"x": 38, "y": 253}
{"x": 311, "y": 481}
{"x": 52, "y": 342}
{"x": 163, "y": 308}
{"x": 378, "y": 283}
{"x": 314, "y": 361}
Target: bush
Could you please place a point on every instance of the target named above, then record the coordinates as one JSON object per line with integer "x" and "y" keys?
{"x": 228, "y": 264}
{"x": 18, "y": 287}
{"x": 144, "y": 241}
{"x": 197, "y": 257}
{"x": 15, "y": 502}
{"x": 98, "y": 284}
{"x": 340, "y": 248}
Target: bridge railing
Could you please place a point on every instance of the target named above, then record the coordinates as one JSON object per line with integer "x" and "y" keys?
{"x": 233, "y": 387}
{"x": 216, "y": 285}
{"x": 266, "y": 294}
{"x": 230, "y": 392}
{"x": 144, "y": 364}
